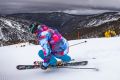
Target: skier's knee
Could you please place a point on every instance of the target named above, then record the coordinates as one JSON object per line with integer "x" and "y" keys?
{"x": 41, "y": 54}
{"x": 66, "y": 58}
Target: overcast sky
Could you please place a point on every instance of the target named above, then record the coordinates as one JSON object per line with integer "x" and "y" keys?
{"x": 16, "y": 6}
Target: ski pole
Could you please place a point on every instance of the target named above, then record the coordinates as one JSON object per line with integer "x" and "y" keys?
{"x": 96, "y": 69}
{"x": 78, "y": 43}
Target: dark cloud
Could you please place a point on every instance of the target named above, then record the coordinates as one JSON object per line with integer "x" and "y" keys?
{"x": 22, "y": 6}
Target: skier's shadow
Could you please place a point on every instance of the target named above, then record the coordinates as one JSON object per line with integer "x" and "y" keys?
{"x": 53, "y": 71}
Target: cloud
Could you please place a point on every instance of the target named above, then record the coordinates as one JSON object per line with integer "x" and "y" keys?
{"x": 15, "y": 6}
{"x": 85, "y": 11}
{"x": 105, "y": 3}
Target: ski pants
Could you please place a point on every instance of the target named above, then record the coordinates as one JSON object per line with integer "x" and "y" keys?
{"x": 53, "y": 60}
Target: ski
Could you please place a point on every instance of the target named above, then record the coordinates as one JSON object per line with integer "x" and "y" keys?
{"x": 24, "y": 67}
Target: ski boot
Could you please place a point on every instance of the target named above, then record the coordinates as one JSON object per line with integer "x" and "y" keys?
{"x": 60, "y": 63}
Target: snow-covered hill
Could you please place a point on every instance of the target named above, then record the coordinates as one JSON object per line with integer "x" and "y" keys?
{"x": 103, "y": 18}
{"x": 14, "y": 30}
{"x": 100, "y": 52}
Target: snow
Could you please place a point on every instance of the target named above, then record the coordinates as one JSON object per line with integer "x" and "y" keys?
{"x": 97, "y": 23}
{"x": 1, "y": 34}
{"x": 104, "y": 21}
{"x": 12, "y": 24}
{"x": 102, "y": 53}
{"x": 7, "y": 22}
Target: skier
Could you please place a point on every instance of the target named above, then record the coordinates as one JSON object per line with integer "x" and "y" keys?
{"x": 53, "y": 43}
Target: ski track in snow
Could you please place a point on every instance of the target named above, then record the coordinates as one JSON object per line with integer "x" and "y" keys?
{"x": 100, "y": 52}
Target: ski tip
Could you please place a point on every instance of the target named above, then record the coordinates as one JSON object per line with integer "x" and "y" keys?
{"x": 17, "y": 67}
{"x": 20, "y": 67}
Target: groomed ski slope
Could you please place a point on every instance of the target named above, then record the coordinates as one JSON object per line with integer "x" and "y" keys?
{"x": 103, "y": 53}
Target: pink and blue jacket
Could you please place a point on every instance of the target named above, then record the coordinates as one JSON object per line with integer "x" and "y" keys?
{"x": 52, "y": 42}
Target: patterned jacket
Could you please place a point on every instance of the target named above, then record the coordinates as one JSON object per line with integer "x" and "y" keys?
{"x": 52, "y": 42}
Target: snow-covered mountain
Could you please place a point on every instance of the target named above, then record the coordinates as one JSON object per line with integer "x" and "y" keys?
{"x": 60, "y": 19}
{"x": 103, "y": 18}
{"x": 102, "y": 53}
{"x": 94, "y": 20}
{"x": 92, "y": 25}
{"x": 14, "y": 27}
{"x": 13, "y": 30}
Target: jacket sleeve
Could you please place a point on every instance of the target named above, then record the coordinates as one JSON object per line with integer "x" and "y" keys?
{"x": 43, "y": 41}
